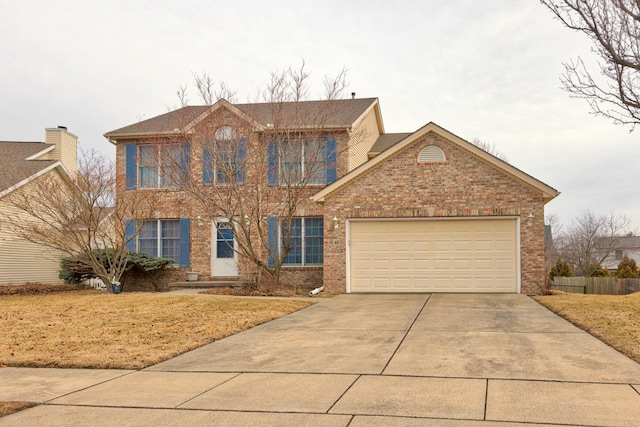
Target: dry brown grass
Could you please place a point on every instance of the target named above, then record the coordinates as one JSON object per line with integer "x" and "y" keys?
{"x": 7, "y": 408}
{"x": 126, "y": 331}
{"x": 614, "y": 319}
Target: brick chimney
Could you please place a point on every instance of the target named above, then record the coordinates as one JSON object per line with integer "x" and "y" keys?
{"x": 66, "y": 147}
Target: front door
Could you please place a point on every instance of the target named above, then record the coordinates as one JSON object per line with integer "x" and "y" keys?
{"x": 224, "y": 258}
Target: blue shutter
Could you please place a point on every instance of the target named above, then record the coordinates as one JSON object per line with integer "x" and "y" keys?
{"x": 184, "y": 159}
{"x": 241, "y": 161}
{"x": 331, "y": 160}
{"x": 272, "y": 239}
{"x": 129, "y": 231}
{"x": 207, "y": 166}
{"x": 185, "y": 237}
{"x": 131, "y": 166}
{"x": 272, "y": 154}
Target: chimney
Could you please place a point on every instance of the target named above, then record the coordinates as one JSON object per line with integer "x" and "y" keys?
{"x": 353, "y": 95}
{"x": 66, "y": 147}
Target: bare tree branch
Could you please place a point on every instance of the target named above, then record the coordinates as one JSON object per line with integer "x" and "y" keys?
{"x": 77, "y": 214}
{"x": 614, "y": 28}
{"x": 590, "y": 239}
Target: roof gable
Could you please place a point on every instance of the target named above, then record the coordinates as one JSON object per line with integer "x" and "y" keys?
{"x": 548, "y": 192}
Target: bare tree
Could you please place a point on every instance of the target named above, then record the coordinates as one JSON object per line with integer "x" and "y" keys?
{"x": 552, "y": 241}
{"x": 76, "y": 214}
{"x": 614, "y": 28}
{"x": 490, "y": 148}
{"x": 256, "y": 172}
{"x": 590, "y": 239}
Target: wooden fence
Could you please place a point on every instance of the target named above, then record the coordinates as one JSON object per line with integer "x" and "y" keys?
{"x": 596, "y": 285}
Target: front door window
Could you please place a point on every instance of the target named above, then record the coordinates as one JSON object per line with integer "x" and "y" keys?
{"x": 224, "y": 240}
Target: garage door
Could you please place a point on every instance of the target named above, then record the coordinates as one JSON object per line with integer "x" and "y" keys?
{"x": 477, "y": 255}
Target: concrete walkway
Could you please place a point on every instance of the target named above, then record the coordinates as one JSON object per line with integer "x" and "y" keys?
{"x": 360, "y": 360}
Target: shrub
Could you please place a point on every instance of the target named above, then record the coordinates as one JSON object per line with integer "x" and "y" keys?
{"x": 77, "y": 270}
{"x": 627, "y": 269}
{"x": 561, "y": 268}
{"x": 598, "y": 270}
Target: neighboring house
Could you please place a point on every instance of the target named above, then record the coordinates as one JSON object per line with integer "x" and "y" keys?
{"x": 409, "y": 212}
{"x": 20, "y": 164}
{"x": 621, "y": 246}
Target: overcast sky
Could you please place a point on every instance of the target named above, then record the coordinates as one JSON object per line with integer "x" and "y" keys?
{"x": 486, "y": 69}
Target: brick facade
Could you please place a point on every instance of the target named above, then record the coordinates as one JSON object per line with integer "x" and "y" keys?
{"x": 466, "y": 185}
{"x": 175, "y": 204}
{"x": 463, "y": 186}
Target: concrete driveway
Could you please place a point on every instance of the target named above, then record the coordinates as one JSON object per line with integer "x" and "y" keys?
{"x": 361, "y": 360}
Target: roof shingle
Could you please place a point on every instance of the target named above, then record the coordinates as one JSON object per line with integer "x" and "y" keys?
{"x": 334, "y": 113}
{"x": 14, "y": 166}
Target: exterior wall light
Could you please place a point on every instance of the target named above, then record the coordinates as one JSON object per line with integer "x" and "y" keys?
{"x": 530, "y": 219}
{"x": 336, "y": 225}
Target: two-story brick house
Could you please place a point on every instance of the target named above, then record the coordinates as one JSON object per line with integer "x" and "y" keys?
{"x": 408, "y": 212}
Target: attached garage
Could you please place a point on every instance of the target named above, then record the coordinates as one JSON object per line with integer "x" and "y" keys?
{"x": 434, "y": 213}
{"x": 433, "y": 255}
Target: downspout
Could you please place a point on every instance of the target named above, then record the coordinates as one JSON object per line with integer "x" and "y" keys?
{"x": 316, "y": 291}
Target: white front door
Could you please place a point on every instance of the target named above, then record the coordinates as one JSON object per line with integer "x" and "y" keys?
{"x": 224, "y": 258}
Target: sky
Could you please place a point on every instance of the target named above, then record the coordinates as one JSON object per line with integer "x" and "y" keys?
{"x": 486, "y": 69}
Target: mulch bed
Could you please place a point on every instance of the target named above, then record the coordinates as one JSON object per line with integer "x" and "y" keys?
{"x": 35, "y": 289}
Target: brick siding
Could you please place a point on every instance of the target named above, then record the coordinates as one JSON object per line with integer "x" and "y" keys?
{"x": 463, "y": 186}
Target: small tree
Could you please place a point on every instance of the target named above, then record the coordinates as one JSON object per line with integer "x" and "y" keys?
{"x": 627, "y": 269}
{"x": 561, "y": 268}
{"x": 79, "y": 213}
{"x": 590, "y": 239}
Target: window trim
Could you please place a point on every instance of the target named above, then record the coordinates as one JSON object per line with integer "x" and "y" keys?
{"x": 184, "y": 238}
{"x": 303, "y": 242}
{"x": 275, "y": 160}
{"x": 161, "y": 150}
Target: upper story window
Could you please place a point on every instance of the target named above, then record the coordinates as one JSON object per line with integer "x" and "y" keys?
{"x": 432, "y": 154}
{"x": 156, "y": 165}
{"x": 302, "y": 162}
{"x": 224, "y": 158}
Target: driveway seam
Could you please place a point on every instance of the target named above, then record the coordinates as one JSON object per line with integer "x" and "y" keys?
{"x": 89, "y": 386}
{"x": 486, "y": 399}
{"x": 342, "y": 395}
{"x": 206, "y": 391}
{"x": 405, "y": 334}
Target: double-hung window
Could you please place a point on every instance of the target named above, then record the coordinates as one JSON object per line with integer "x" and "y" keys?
{"x": 303, "y": 161}
{"x": 160, "y": 238}
{"x": 157, "y": 165}
{"x": 294, "y": 162}
{"x": 167, "y": 238}
{"x": 306, "y": 238}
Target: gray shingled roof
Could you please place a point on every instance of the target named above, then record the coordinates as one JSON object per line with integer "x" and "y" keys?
{"x": 387, "y": 140}
{"x": 336, "y": 113}
{"x": 14, "y": 166}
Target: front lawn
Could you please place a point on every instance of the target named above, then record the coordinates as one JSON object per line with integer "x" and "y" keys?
{"x": 126, "y": 331}
{"x": 614, "y": 319}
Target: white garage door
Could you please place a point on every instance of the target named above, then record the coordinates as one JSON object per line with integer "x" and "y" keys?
{"x": 477, "y": 255}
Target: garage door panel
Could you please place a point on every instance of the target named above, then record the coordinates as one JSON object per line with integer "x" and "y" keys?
{"x": 433, "y": 256}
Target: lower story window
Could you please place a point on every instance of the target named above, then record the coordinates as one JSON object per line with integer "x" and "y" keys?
{"x": 306, "y": 241}
{"x": 160, "y": 238}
